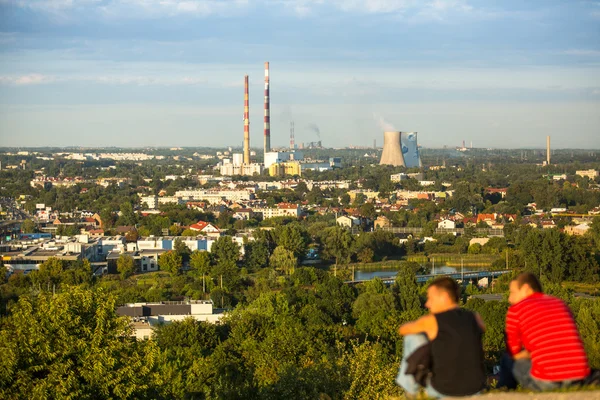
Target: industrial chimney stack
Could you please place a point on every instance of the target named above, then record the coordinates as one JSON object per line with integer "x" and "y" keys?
{"x": 246, "y": 123}
{"x": 267, "y": 111}
{"x": 548, "y": 150}
{"x": 392, "y": 150}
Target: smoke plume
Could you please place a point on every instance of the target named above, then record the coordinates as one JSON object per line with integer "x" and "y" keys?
{"x": 383, "y": 124}
{"x": 313, "y": 127}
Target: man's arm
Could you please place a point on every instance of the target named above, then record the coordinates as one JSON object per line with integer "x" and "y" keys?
{"x": 480, "y": 321}
{"x": 426, "y": 324}
{"x": 513, "y": 334}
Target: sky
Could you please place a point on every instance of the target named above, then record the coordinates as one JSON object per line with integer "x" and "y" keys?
{"x": 170, "y": 72}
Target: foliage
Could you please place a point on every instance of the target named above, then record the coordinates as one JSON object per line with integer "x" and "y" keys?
{"x": 283, "y": 259}
{"x": 75, "y": 350}
{"x": 125, "y": 266}
{"x": 170, "y": 261}
{"x": 28, "y": 226}
{"x": 225, "y": 250}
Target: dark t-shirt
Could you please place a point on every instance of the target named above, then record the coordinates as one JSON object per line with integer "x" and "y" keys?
{"x": 457, "y": 354}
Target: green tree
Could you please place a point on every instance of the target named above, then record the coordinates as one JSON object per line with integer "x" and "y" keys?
{"x": 293, "y": 238}
{"x": 28, "y": 226}
{"x": 125, "y": 266}
{"x": 182, "y": 249}
{"x": 170, "y": 262}
{"x": 200, "y": 264}
{"x": 225, "y": 250}
{"x": 406, "y": 290}
{"x": 257, "y": 254}
{"x": 338, "y": 244}
{"x": 127, "y": 217}
{"x": 283, "y": 259}
{"x": 75, "y": 350}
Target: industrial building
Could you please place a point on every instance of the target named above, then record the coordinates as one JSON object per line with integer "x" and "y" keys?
{"x": 410, "y": 150}
{"x": 392, "y": 150}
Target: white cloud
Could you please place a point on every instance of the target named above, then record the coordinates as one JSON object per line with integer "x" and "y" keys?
{"x": 582, "y": 52}
{"x": 50, "y": 5}
{"x": 24, "y": 80}
{"x": 429, "y": 8}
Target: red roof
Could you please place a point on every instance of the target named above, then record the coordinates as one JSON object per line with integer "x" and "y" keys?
{"x": 288, "y": 206}
{"x": 201, "y": 225}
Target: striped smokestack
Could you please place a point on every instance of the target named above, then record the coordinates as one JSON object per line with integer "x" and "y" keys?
{"x": 246, "y": 123}
{"x": 267, "y": 111}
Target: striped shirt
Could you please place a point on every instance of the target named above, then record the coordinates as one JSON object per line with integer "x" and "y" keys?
{"x": 544, "y": 326}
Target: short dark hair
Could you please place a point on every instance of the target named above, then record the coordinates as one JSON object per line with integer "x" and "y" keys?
{"x": 529, "y": 279}
{"x": 448, "y": 285}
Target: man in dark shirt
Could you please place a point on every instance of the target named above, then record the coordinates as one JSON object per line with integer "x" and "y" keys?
{"x": 456, "y": 347}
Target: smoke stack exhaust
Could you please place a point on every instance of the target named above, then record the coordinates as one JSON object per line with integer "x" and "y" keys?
{"x": 267, "y": 111}
{"x": 246, "y": 123}
{"x": 392, "y": 150}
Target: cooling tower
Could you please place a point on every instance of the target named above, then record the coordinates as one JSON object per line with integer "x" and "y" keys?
{"x": 410, "y": 150}
{"x": 392, "y": 150}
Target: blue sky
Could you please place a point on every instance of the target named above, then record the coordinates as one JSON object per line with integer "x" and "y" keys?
{"x": 170, "y": 72}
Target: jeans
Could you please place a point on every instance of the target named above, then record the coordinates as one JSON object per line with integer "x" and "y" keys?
{"x": 519, "y": 371}
{"x": 407, "y": 382}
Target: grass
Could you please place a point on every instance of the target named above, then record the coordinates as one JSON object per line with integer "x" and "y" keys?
{"x": 587, "y": 288}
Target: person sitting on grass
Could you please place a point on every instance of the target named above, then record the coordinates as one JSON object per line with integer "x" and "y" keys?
{"x": 545, "y": 350}
{"x": 454, "y": 336}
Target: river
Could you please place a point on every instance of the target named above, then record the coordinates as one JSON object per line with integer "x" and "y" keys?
{"x": 367, "y": 274}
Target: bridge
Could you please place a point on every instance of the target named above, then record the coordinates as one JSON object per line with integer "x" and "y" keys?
{"x": 459, "y": 276}
{"x": 458, "y": 231}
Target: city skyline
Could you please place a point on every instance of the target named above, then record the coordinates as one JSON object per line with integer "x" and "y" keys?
{"x": 91, "y": 73}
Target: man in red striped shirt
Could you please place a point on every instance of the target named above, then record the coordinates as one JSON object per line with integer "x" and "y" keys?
{"x": 542, "y": 338}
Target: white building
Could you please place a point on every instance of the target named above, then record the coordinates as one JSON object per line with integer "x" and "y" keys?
{"x": 145, "y": 316}
{"x": 275, "y": 157}
{"x": 282, "y": 210}
{"x": 446, "y": 224}
{"x": 151, "y": 201}
{"x": 589, "y": 173}
{"x": 347, "y": 221}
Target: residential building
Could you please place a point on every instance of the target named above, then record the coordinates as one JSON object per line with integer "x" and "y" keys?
{"x": 577, "y": 230}
{"x": 348, "y": 221}
{"x": 588, "y": 173}
{"x": 382, "y": 222}
{"x": 446, "y": 224}
{"x": 146, "y": 316}
{"x": 282, "y": 210}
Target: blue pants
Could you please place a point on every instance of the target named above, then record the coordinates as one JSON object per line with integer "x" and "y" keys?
{"x": 519, "y": 371}
{"x": 407, "y": 382}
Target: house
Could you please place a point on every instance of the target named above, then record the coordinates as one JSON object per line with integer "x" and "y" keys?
{"x": 347, "y": 221}
{"x": 489, "y": 219}
{"x": 577, "y": 230}
{"x": 382, "y": 222}
{"x": 124, "y": 229}
{"x": 205, "y": 227}
{"x": 548, "y": 224}
{"x": 243, "y": 213}
{"x": 145, "y": 316}
{"x": 446, "y": 224}
{"x": 479, "y": 241}
{"x": 96, "y": 232}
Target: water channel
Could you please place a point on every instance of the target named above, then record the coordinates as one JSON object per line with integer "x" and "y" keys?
{"x": 367, "y": 274}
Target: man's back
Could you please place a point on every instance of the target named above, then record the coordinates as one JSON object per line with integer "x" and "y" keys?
{"x": 457, "y": 354}
{"x": 545, "y": 327}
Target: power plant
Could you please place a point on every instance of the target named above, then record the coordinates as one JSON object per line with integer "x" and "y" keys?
{"x": 392, "y": 150}
{"x": 410, "y": 150}
{"x": 290, "y": 162}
